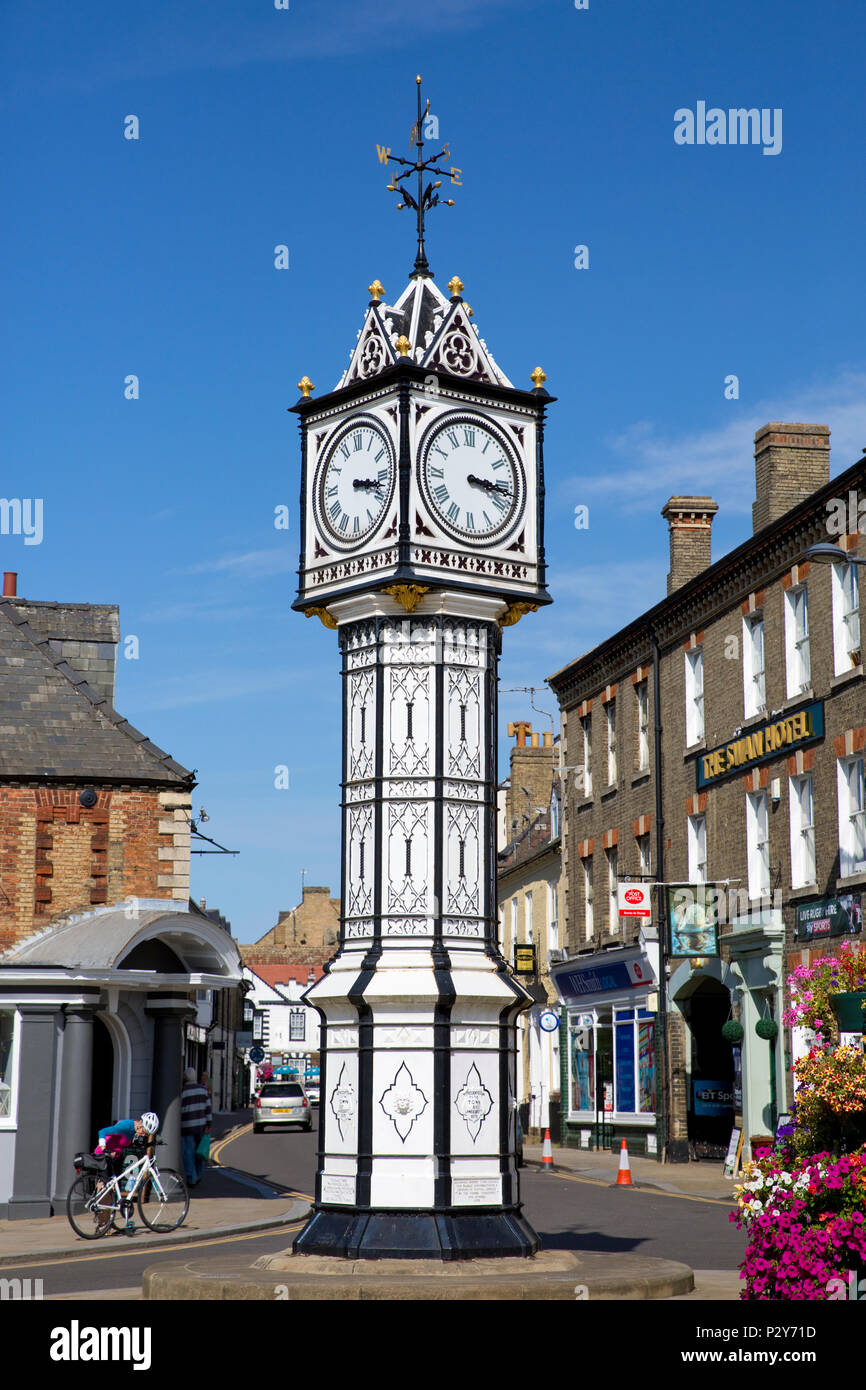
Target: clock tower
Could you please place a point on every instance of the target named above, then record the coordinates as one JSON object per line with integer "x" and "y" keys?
{"x": 422, "y": 492}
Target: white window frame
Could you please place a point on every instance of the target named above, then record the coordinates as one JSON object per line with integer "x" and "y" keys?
{"x": 10, "y": 1119}
{"x": 514, "y": 938}
{"x": 754, "y": 671}
{"x": 694, "y": 696}
{"x": 798, "y": 661}
{"x": 529, "y": 917}
{"x": 610, "y": 721}
{"x": 852, "y": 816}
{"x": 643, "y": 746}
{"x": 845, "y": 584}
{"x": 588, "y": 898}
{"x": 758, "y": 843}
{"x": 802, "y": 821}
{"x": 586, "y": 724}
{"x": 612, "y": 856}
{"x": 554, "y": 816}
{"x": 697, "y": 848}
{"x": 644, "y": 850}
{"x": 553, "y": 916}
{"x": 502, "y": 927}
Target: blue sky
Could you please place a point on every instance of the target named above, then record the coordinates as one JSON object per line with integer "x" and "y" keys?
{"x": 258, "y": 127}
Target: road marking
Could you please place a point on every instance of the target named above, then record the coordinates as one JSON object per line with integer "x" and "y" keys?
{"x": 158, "y": 1249}
{"x": 229, "y": 1139}
{"x": 652, "y": 1191}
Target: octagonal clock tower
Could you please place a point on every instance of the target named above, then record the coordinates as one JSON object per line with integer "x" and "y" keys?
{"x": 422, "y": 538}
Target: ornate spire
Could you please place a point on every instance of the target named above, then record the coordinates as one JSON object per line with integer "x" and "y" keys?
{"x": 426, "y": 196}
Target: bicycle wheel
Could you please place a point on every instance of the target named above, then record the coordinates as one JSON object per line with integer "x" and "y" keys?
{"x": 89, "y": 1220}
{"x": 166, "y": 1212}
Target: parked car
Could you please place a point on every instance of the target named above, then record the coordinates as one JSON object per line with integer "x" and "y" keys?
{"x": 312, "y": 1090}
{"x": 282, "y": 1103}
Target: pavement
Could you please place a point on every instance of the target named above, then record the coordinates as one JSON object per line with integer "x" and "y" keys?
{"x": 225, "y": 1202}
{"x": 229, "y": 1202}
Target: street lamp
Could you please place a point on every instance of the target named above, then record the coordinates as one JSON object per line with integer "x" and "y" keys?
{"x": 827, "y": 553}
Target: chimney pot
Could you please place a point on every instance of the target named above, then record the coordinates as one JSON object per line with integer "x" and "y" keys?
{"x": 690, "y": 520}
{"x": 791, "y": 462}
{"x": 519, "y": 729}
{"x": 10, "y": 583}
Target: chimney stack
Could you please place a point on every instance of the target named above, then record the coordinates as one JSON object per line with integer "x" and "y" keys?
{"x": 690, "y": 520}
{"x": 10, "y": 583}
{"x": 791, "y": 462}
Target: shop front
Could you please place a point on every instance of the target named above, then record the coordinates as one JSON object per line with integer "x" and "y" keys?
{"x": 609, "y": 1070}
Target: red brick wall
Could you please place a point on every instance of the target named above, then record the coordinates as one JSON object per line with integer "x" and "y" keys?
{"x": 57, "y": 856}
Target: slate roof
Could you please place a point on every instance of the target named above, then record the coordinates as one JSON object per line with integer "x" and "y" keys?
{"x": 54, "y": 725}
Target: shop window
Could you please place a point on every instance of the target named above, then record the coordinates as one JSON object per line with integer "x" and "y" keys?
{"x": 852, "y": 817}
{"x": 626, "y": 1062}
{"x": 846, "y": 618}
{"x": 694, "y": 696}
{"x": 798, "y": 666}
{"x": 7, "y": 1064}
{"x": 802, "y": 832}
{"x": 754, "y": 685}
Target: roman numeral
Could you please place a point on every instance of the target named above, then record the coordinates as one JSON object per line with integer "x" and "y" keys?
{"x": 470, "y": 522}
{"x": 451, "y": 436}
{"x": 468, "y": 437}
{"x": 379, "y": 455}
{"x": 334, "y": 510}
{"x": 498, "y": 463}
{"x": 382, "y": 474}
{"x": 331, "y": 491}
{"x": 486, "y": 447}
{"x": 437, "y": 450}
{"x": 441, "y": 494}
{"x": 357, "y": 440}
{"x": 453, "y": 512}
{"x": 343, "y": 522}
{"x": 344, "y": 449}
{"x": 436, "y": 472}
{"x": 357, "y": 526}
{"x": 499, "y": 502}
{"x": 487, "y": 519}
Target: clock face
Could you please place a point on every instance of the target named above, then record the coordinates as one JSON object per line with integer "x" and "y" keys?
{"x": 354, "y": 483}
{"x": 470, "y": 479}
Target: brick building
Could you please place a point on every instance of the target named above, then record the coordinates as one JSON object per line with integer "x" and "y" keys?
{"x": 745, "y": 773}
{"x": 101, "y": 953}
{"x": 527, "y": 893}
{"x": 303, "y": 935}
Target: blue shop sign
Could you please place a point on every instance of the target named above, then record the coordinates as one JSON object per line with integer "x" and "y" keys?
{"x": 712, "y": 1097}
{"x": 574, "y": 985}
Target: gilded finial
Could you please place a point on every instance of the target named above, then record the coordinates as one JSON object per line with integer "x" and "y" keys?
{"x": 418, "y": 79}
{"x": 455, "y": 285}
{"x": 377, "y": 289}
{"x": 468, "y": 308}
{"x": 403, "y": 345}
{"x": 538, "y": 377}
{"x": 305, "y": 386}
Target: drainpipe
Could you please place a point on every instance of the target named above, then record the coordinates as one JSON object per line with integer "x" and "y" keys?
{"x": 662, "y": 1031}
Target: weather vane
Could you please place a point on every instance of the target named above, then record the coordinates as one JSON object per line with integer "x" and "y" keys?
{"x": 426, "y": 197}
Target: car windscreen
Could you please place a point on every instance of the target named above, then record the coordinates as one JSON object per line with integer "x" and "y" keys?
{"x": 282, "y": 1088}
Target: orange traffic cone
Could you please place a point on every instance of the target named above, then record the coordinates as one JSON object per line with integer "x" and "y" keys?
{"x": 623, "y": 1177}
{"x": 547, "y": 1153}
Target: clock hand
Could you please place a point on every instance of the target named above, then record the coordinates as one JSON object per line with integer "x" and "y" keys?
{"x": 488, "y": 485}
{"x": 367, "y": 483}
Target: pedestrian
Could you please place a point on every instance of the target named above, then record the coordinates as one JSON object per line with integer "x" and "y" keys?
{"x": 195, "y": 1120}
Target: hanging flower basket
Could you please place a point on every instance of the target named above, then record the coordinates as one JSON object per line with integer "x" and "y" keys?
{"x": 733, "y": 1032}
{"x": 767, "y": 1028}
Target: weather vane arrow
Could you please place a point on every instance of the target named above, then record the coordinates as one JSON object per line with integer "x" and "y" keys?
{"x": 426, "y": 196}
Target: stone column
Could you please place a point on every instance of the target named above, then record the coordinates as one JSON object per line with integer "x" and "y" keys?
{"x": 76, "y": 1076}
{"x": 169, "y": 1016}
{"x": 34, "y": 1152}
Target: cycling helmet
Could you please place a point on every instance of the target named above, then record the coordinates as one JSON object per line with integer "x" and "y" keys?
{"x": 150, "y": 1122}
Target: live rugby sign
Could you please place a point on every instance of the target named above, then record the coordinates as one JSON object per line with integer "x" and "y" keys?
{"x": 762, "y": 743}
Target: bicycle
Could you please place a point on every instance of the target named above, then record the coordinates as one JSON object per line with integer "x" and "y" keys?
{"x": 95, "y": 1200}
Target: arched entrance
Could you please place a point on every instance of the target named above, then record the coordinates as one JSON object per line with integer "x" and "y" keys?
{"x": 101, "y": 1079}
{"x": 705, "y": 1004}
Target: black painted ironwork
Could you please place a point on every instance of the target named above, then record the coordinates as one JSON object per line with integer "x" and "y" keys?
{"x": 426, "y": 197}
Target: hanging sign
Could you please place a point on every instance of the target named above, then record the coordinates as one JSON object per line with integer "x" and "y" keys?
{"x": 549, "y": 1021}
{"x": 634, "y": 900}
{"x": 524, "y": 960}
{"x": 841, "y": 916}
{"x": 693, "y": 920}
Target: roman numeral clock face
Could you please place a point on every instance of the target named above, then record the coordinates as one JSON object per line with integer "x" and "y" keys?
{"x": 472, "y": 482}
{"x": 354, "y": 484}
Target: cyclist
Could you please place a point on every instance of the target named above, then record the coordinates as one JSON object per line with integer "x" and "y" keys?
{"x": 124, "y": 1134}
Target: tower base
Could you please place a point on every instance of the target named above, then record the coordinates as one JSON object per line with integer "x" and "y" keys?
{"x": 402, "y": 1235}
